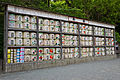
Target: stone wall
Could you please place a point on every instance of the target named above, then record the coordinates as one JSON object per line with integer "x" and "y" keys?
{"x": 54, "y": 63}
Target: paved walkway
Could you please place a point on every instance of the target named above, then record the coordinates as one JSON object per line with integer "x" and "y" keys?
{"x": 98, "y": 70}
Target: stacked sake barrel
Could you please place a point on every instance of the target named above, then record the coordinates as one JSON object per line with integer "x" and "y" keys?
{"x": 69, "y": 40}
{"x": 46, "y": 39}
{"x": 19, "y": 38}
{"x": 99, "y": 41}
{"x": 70, "y": 53}
{"x": 109, "y": 32}
{"x": 49, "y": 25}
{"x": 110, "y": 49}
{"x": 22, "y": 38}
{"x": 86, "y": 40}
{"x": 21, "y": 32}
{"x": 49, "y": 53}
{"x": 109, "y": 41}
{"x": 21, "y": 55}
{"x": 98, "y": 31}
{"x": 49, "y": 39}
{"x": 30, "y": 54}
{"x": 99, "y": 51}
{"x": 69, "y": 27}
{"x": 85, "y": 52}
{"x": 32, "y": 38}
{"x": 85, "y": 29}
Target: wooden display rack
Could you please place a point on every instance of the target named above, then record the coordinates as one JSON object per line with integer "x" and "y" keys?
{"x": 11, "y": 9}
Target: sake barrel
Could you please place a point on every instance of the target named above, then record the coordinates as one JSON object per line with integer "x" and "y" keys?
{"x": 19, "y": 34}
{"x": 41, "y": 51}
{"x": 26, "y": 18}
{"x": 63, "y": 29}
{"x": 72, "y": 50}
{"x": 67, "y": 37}
{"x": 41, "y": 57}
{"x": 40, "y": 21}
{"x": 41, "y": 42}
{"x": 52, "y": 36}
{"x": 33, "y": 35}
{"x": 33, "y": 42}
{"x": 46, "y": 36}
{"x": 70, "y": 55}
{"x": 33, "y": 26}
{"x": 57, "y": 28}
{"x": 51, "y": 28}
{"x": 46, "y": 56}
{"x": 46, "y": 51}
{"x": 33, "y": 20}
{"x": 71, "y": 30}
{"x": 56, "y": 56}
{"x": 71, "y": 25}
{"x": 41, "y": 36}
{"x": 41, "y": 28}
{"x": 66, "y": 56}
{"x": 34, "y": 58}
{"x": 46, "y": 22}
{"x": 52, "y": 22}
{"x": 19, "y": 18}
{"x": 11, "y": 41}
{"x": 27, "y": 58}
{"x": 52, "y": 50}
{"x": 76, "y": 54}
{"x": 67, "y": 24}
{"x": 63, "y": 23}
{"x": 57, "y": 42}
{"x": 57, "y": 23}
{"x": 12, "y": 17}
{"x": 19, "y": 25}
{"x": 46, "y": 28}
{"x": 51, "y": 42}
{"x": 27, "y": 51}
{"x": 57, "y": 36}
{"x": 27, "y": 42}
{"x": 46, "y": 42}
{"x": 58, "y": 50}
{"x": 26, "y": 34}
{"x": 12, "y": 24}
{"x": 34, "y": 51}
{"x": 11, "y": 34}
{"x": 75, "y": 26}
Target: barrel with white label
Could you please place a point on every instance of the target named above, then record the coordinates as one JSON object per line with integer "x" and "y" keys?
{"x": 19, "y": 34}
{"x": 19, "y": 18}
{"x": 12, "y": 24}
{"x": 33, "y": 35}
{"x": 12, "y": 17}
{"x": 33, "y": 42}
{"x": 26, "y": 42}
{"x": 11, "y": 34}
{"x": 11, "y": 41}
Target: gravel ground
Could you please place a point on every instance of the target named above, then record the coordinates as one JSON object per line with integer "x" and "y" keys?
{"x": 98, "y": 70}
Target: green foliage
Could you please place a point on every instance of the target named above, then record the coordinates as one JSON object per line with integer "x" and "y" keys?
{"x": 117, "y": 35}
{"x": 63, "y": 8}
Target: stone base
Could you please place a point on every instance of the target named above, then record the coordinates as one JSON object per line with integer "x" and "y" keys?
{"x": 53, "y": 63}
